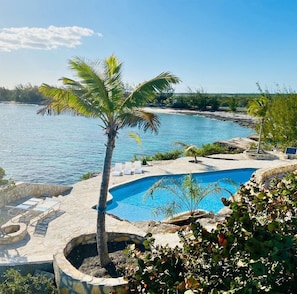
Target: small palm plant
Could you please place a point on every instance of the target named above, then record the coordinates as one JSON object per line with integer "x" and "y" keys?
{"x": 138, "y": 140}
{"x": 187, "y": 194}
{"x": 190, "y": 150}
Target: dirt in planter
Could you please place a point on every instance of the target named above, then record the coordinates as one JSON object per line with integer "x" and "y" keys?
{"x": 85, "y": 259}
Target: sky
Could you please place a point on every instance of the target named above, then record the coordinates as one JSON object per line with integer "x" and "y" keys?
{"x": 213, "y": 46}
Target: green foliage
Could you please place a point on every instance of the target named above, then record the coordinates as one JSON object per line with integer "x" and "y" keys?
{"x": 214, "y": 103}
{"x": 214, "y": 148}
{"x": 164, "y": 96}
{"x": 280, "y": 125}
{"x": 253, "y": 251}
{"x": 22, "y": 94}
{"x": 100, "y": 93}
{"x": 204, "y": 150}
{"x": 160, "y": 269}
{"x": 15, "y": 283}
{"x": 88, "y": 175}
{"x": 232, "y": 104}
{"x": 186, "y": 192}
{"x": 189, "y": 150}
{"x": 138, "y": 140}
{"x": 169, "y": 155}
{"x": 5, "y": 182}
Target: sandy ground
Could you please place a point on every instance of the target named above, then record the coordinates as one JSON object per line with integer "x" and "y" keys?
{"x": 221, "y": 115}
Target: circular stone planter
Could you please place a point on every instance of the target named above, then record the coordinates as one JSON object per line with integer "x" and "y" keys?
{"x": 12, "y": 233}
{"x": 70, "y": 280}
{"x": 252, "y": 154}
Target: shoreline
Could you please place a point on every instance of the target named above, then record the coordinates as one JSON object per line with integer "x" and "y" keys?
{"x": 242, "y": 119}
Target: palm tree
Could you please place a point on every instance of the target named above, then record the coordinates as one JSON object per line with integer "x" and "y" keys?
{"x": 190, "y": 150}
{"x": 102, "y": 95}
{"x": 186, "y": 193}
{"x": 258, "y": 108}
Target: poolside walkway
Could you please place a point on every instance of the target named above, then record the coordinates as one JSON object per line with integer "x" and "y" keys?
{"x": 77, "y": 217}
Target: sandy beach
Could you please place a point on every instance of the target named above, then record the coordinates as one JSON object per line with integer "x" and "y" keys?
{"x": 241, "y": 118}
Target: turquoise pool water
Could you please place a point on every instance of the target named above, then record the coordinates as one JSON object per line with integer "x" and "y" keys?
{"x": 128, "y": 199}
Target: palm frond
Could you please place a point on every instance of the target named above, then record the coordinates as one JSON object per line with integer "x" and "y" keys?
{"x": 92, "y": 81}
{"x": 184, "y": 145}
{"x": 64, "y": 100}
{"x": 140, "y": 118}
{"x": 136, "y": 137}
{"x": 146, "y": 91}
{"x": 168, "y": 210}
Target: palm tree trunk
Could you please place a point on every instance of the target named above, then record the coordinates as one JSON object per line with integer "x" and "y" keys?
{"x": 101, "y": 233}
{"x": 260, "y": 136}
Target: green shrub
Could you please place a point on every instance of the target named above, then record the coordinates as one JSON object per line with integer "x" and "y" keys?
{"x": 15, "y": 283}
{"x": 88, "y": 175}
{"x": 174, "y": 154}
{"x": 5, "y": 182}
{"x": 209, "y": 149}
{"x": 253, "y": 251}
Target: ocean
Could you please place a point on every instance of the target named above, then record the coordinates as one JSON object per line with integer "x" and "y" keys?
{"x": 59, "y": 149}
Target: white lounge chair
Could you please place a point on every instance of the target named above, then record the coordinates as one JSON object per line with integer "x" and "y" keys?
{"x": 137, "y": 167}
{"x": 24, "y": 206}
{"x": 128, "y": 168}
{"x": 118, "y": 169}
{"x": 42, "y": 209}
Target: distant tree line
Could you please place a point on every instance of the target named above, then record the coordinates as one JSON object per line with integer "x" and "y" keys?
{"x": 27, "y": 94}
{"x": 203, "y": 101}
{"x": 192, "y": 100}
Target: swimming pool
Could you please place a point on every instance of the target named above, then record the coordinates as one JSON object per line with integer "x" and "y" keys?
{"x": 128, "y": 199}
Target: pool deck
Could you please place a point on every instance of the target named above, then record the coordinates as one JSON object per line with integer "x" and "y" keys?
{"x": 77, "y": 217}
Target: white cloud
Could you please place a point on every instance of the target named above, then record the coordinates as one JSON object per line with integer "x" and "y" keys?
{"x": 42, "y": 38}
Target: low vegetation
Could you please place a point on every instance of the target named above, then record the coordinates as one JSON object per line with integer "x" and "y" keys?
{"x": 5, "y": 182}
{"x": 253, "y": 251}
{"x": 15, "y": 283}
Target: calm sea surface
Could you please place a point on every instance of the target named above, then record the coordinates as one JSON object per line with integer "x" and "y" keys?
{"x": 60, "y": 149}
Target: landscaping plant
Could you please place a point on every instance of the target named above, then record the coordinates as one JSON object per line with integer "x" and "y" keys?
{"x": 15, "y": 283}
{"x": 253, "y": 251}
{"x": 101, "y": 94}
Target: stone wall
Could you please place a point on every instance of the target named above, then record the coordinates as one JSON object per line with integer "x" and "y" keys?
{"x": 21, "y": 190}
{"x": 264, "y": 174}
{"x": 71, "y": 281}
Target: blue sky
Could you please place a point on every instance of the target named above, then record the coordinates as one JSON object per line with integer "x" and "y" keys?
{"x": 214, "y": 46}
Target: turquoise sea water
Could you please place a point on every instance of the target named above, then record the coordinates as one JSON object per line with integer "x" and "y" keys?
{"x": 129, "y": 200}
{"x": 59, "y": 149}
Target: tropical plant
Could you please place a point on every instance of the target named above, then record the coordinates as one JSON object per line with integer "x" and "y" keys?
{"x": 258, "y": 108}
{"x": 253, "y": 251}
{"x": 138, "y": 140}
{"x": 186, "y": 194}
{"x": 190, "y": 150}
{"x": 15, "y": 283}
{"x": 88, "y": 175}
{"x": 169, "y": 155}
{"x": 5, "y": 182}
{"x": 102, "y": 95}
{"x": 215, "y": 148}
{"x": 280, "y": 124}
